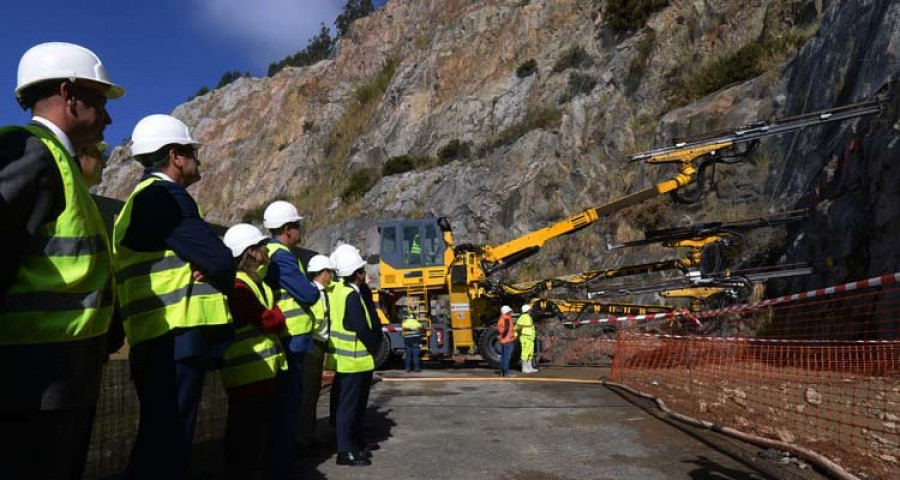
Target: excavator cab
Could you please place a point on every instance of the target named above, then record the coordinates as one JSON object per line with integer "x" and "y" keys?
{"x": 407, "y": 244}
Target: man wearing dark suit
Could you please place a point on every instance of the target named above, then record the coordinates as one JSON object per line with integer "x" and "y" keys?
{"x": 56, "y": 295}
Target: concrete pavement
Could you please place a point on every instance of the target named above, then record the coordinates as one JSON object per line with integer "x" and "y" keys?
{"x": 453, "y": 424}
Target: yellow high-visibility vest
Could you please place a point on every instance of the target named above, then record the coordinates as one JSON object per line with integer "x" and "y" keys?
{"x": 63, "y": 290}
{"x": 253, "y": 356}
{"x": 298, "y": 319}
{"x": 348, "y": 353}
{"x": 156, "y": 290}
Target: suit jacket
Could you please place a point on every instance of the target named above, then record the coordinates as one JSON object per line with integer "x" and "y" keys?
{"x": 55, "y": 376}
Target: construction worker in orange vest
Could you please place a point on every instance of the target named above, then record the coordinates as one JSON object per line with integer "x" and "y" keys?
{"x": 507, "y": 335}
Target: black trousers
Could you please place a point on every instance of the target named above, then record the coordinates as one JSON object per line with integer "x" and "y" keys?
{"x": 45, "y": 444}
{"x": 247, "y": 433}
{"x": 349, "y": 396}
{"x": 169, "y": 393}
{"x": 312, "y": 386}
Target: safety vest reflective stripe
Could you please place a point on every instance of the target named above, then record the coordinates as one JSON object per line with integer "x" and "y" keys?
{"x": 54, "y": 301}
{"x": 73, "y": 246}
{"x": 148, "y": 304}
{"x": 253, "y": 356}
{"x": 62, "y": 290}
{"x": 346, "y": 352}
{"x": 347, "y": 337}
{"x": 411, "y": 328}
{"x": 150, "y": 266}
{"x": 351, "y": 353}
{"x": 156, "y": 290}
{"x": 298, "y": 319}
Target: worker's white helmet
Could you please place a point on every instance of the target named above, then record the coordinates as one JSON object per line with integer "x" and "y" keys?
{"x": 505, "y": 309}
{"x": 280, "y": 212}
{"x": 346, "y": 260}
{"x": 60, "y": 60}
{"x": 526, "y": 308}
{"x": 156, "y": 131}
{"x": 242, "y": 236}
{"x": 319, "y": 263}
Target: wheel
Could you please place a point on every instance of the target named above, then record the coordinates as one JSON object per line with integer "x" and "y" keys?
{"x": 489, "y": 348}
{"x": 384, "y": 351}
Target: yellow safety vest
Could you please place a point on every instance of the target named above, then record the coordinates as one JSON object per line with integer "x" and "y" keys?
{"x": 63, "y": 289}
{"x": 298, "y": 319}
{"x": 156, "y": 290}
{"x": 349, "y": 355}
{"x": 411, "y": 328}
{"x": 253, "y": 356}
{"x": 525, "y": 324}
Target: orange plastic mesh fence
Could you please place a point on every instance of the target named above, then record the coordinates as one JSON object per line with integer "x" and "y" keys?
{"x": 822, "y": 372}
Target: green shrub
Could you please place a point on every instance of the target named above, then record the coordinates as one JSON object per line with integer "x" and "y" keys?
{"x": 310, "y": 126}
{"x": 527, "y": 69}
{"x": 203, "y": 91}
{"x": 536, "y": 118}
{"x": 581, "y": 84}
{"x": 453, "y": 150}
{"x": 644, "y": 47}
{"x": 348, "y": 128}
{"x": 398, "y": 164}
{"x": 574, "y": 57}
{"x": 359, "y": 183}
{"x": 627, "y": 15}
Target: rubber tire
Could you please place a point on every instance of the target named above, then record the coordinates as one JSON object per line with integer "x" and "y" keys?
{"x": 489, "y": 348}
{"x": 384, "y": 351}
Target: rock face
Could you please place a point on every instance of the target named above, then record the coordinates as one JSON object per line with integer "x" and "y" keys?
{"x": 553, "y": 143}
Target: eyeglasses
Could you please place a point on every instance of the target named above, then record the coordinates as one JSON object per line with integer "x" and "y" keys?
{"x": 187, "y": 151}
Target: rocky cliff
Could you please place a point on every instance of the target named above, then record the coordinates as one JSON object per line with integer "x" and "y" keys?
{"x": 516, "y": 113}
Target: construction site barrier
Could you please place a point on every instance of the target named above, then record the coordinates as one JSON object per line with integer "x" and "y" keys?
{"x": 819, "y": 370}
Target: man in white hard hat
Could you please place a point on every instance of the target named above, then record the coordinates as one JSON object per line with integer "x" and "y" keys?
{"x": 321, "y": 271}
{"x": 56, "y": 285}
{"x": 172, "y": 275}
{"x": 353, "y": 344}
{"x": 507, "y": 337}
{"x": 295, "y": 295}
{"x": 526, "y": 333}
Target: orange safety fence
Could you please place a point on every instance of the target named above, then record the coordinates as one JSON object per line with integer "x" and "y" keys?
{"x": 820, "y": 370}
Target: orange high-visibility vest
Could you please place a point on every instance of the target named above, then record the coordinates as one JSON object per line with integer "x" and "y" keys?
{"x": 505, "y": 324}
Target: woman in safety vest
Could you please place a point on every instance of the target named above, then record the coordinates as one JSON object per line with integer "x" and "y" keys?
{"x": 252, "y": 361}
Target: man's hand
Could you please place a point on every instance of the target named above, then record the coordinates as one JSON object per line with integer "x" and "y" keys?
{"x": 197, "y": 275}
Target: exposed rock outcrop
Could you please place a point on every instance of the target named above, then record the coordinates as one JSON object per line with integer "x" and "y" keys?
{"x": 553, "y": 143}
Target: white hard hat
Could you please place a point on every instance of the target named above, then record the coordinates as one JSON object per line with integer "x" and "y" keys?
{"x": 59, "y": 60}
{"x": 319, "y": 263}
{"x": 526, "y": 308}
{"x": 280, "y": 212}
{"x": 241, "y": 236}
{"x": 346, "y": 260}
{"x": 156, "y": 131}
{"x": 505, "y": 309}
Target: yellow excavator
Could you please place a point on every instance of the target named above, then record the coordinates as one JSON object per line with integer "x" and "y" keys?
{"x": 424, "y": 270}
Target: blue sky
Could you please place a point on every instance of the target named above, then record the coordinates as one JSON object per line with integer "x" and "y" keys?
{"x": 161, "y": 51}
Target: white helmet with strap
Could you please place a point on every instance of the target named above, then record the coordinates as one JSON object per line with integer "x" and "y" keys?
{"x": 319, "y": 263}
{"x": 156, "y": 131}
{"x": 241, "y": 237}
{"x": 279, "y": 213}
{"x": 346, "y": 259}
{"x": 60, "y": 60}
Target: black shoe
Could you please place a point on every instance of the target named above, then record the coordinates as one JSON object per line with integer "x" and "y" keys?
{"x": 408, "y": 371}
{"x": 353, "y": 459}
{"x": 418, "y": 370}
